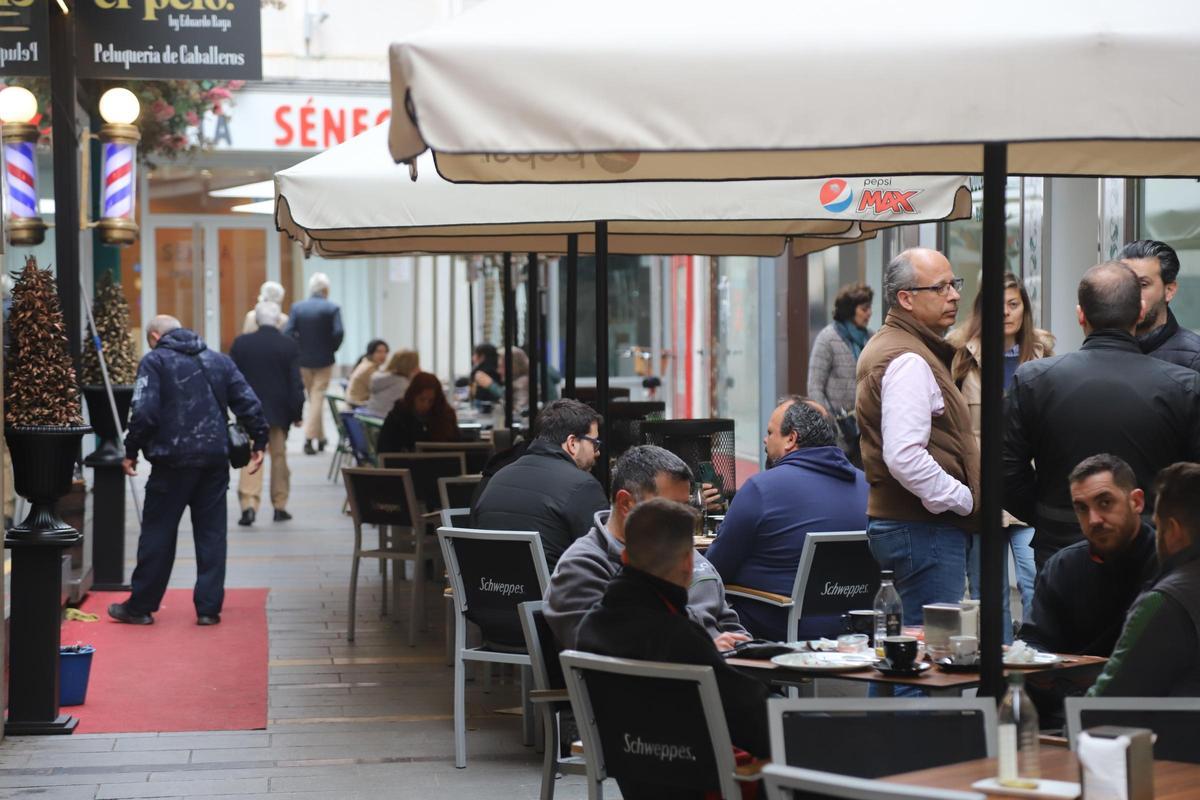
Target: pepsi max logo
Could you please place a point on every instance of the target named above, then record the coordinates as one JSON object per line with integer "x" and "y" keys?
{"x": 836, "y": 195}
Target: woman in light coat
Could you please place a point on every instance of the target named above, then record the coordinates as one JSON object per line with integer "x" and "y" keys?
{"x": 1022, "y": 342}
{"x": 389, "y": 384}
{"x": 834, "y": 361}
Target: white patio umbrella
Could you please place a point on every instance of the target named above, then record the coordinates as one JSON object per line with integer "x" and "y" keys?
{"x": 353, "y": 200}
{"x": 518, "y": 90}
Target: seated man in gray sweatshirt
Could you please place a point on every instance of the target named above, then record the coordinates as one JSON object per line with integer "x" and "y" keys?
{"x": 586, "y": 567}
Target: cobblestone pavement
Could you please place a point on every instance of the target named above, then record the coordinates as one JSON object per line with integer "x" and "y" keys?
{"x": 366, "y": 719}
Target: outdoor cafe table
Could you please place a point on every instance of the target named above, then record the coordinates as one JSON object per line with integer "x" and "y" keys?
{"x": 934, "y": 680}
{"x": 1173, "y": 780}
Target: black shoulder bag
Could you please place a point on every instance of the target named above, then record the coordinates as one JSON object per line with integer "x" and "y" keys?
{"x": 236, "y": 438}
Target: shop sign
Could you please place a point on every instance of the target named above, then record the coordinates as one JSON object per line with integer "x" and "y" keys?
{"x": 285, "y": 121}
{"x": 24, "y": 31}
{"x": 184, "y": 39}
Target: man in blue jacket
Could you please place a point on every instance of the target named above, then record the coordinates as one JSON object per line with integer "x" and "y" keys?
{"x": 178, "y": 421}
{"x": 809, "y": 486}
{"x": 316, "y": 323}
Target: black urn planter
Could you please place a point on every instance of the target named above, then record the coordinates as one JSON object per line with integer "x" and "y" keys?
{"x": 43, "y": 459}
{"x": 111, "y": 449}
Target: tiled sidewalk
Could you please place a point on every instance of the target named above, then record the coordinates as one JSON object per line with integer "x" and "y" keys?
{"x": 347, "y": 721}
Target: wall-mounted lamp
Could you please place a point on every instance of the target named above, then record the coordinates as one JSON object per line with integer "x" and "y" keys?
{"x": 119, "y": 137}
{"x": 18, "y": 108}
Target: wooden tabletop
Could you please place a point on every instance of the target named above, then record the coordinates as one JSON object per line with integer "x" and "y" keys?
{"x": 1173, "y": 780}
{"x": 932, "y": 678}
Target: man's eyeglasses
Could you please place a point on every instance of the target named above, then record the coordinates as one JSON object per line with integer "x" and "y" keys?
{"x": 595, "y": 442}
{"x": 940, "y": 288}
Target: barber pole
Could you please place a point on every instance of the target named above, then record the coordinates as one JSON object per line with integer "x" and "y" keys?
{"x": 25, "y": 226}
{"x": 119, "y": 175}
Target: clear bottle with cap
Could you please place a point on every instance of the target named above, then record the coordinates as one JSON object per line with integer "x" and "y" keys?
{"x": 1017, "y": 742}
{"x": 889, "y": 611}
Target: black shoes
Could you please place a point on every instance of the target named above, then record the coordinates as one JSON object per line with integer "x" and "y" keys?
{"x": 208, "y": 619}
{"x": 247, "y": 517}
{"x": 321, "y": 444}
{"x": 309, "y": 450}
{"x": 120, "y": 613}
{"x": 281, "y": 515}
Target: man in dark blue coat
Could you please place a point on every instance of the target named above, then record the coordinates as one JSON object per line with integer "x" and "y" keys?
{"x": 810, "y": 486}
{"x": 316, "y": 323}
{"x": 178, "y": 421}
{"x": 271, "y": 363}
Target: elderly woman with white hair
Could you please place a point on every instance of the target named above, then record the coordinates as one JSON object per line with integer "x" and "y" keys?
{"x": 316, "y": 324}
{"x": 269, "y": 292}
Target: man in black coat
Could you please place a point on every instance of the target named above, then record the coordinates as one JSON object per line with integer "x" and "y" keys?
{"x": 178, "y": 420}
{"x": 1159, "y": 334}
{"x": 1105, "y": 398}
{"x": 550, "y": 489}
{"x": 316, "y": 323}
{"x": 1085, "y": 590}
{"x": 271, "y": 363}
{"x": 643, "y": 616}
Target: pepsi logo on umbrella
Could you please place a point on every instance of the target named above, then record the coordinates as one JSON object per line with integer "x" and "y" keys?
{"x": 836, "y": 195}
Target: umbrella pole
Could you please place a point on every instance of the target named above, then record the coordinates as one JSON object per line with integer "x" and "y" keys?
{"x": 571, "y": 315}
{"x": 471, "y": 310}
{"x": 532, "y": 339}
{"x": 992, "y": 539}
{"x": 509, "y": 335}
{"x": 602, "y": 343}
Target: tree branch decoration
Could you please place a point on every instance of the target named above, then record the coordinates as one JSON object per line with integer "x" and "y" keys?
{"x": 112, "y": 326}
{"x": 39, "y": 380}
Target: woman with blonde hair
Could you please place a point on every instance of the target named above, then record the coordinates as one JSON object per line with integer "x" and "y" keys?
{"x": 389, "y": 384}
{"x": 1022, "y": 342}
{"x": 269, "y": 292}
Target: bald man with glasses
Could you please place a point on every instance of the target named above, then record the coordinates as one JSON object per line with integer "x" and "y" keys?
{"x": 918, "y": 447}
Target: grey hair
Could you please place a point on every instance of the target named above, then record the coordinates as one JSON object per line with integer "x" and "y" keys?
{"x": 638, "y": 468}
{"x": 162, "y": 325}
{"x": 811, "y": 427}
{"x": 271, "y": 291}
{"x": 318, "y": 283}
{"x": 267, "y": 314}
{"x": 899, "y": 274}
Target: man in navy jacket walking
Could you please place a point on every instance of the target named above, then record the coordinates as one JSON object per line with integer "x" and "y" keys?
{"x": 178, "y": 421}
{"x": 810, "y": 486}
{"x": 316, "y": 324}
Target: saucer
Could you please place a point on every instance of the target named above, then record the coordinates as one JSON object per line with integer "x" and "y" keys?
{"x": 918, "y": 668}
{"x": 946, "y": 665}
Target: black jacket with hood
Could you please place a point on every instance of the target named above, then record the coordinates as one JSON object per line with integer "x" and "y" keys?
{"x": 175, "y": 419}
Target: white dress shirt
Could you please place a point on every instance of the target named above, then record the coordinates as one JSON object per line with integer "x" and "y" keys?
{"x": 910, "y": 399}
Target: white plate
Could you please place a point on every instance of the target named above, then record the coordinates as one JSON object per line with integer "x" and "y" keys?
{"x": 1058, "y": 790}
{"x": 826, "y": 662}
{"x": 1039, "y": 660}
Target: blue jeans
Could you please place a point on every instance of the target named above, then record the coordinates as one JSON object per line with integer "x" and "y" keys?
{"x": 974, "y": 560}
{"x": 1021, "y": 541}
{"x": 929, "y": 561}
{"x": 168, "y": 492}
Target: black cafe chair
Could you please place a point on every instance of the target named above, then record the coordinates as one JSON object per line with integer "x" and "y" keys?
{"x": 839, "y": 557}
{"x": 793, "y": 783}
{"x": 898, "y": 734}
{"x": 426, "y": 469}
{"x": 549, "y": 694}
{"x": 477, "y": 454}
{"x": 385, "y": 498}
{"x": 457, "y": 492}
{"x": 491, "y": 573}
{"x": 1174, "y": 720}
{"x": 629, "y": 711}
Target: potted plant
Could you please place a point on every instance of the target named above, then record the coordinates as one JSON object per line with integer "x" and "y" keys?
{"x": 113, "y": 336}
{"x": 42, "y": 421}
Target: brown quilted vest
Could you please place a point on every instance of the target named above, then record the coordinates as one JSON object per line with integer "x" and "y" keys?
{"x": 951, "y": 440}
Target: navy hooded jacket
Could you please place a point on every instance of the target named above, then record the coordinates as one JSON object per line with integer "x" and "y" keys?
{"x": 810, "y": 490}
{"x": 175, "y": 420}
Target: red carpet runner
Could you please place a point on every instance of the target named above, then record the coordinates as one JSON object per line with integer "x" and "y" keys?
{"x": 175, "y": 675}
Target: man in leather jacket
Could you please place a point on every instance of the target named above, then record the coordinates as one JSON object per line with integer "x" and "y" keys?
{"x": 1106, "y": 397}
{"x": 1159, "y": 333}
